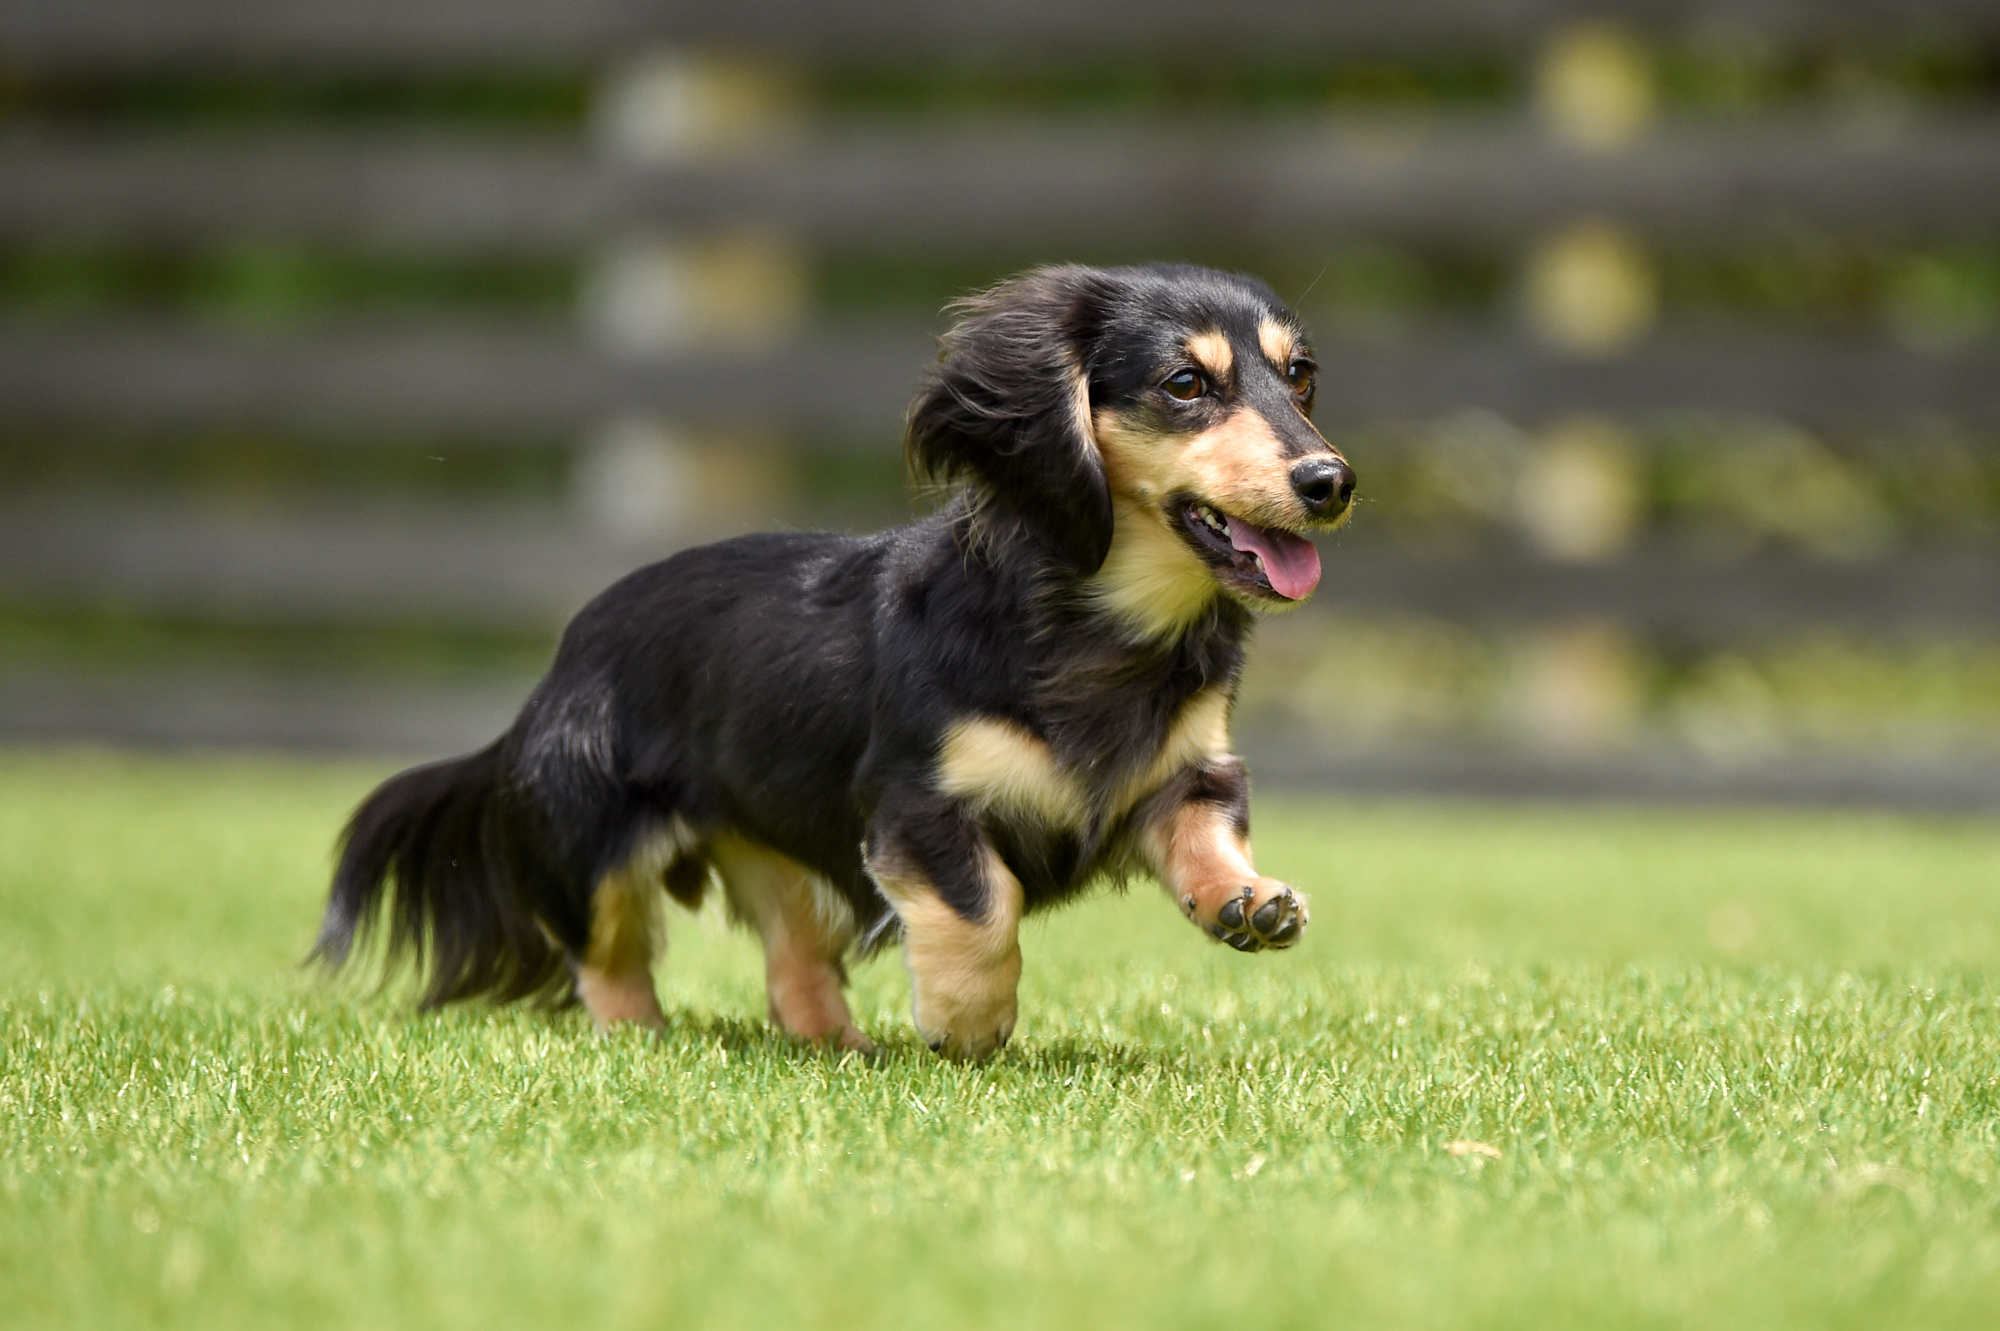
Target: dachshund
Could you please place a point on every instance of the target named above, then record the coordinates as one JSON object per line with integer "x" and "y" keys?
{"x": 916, "y": 736}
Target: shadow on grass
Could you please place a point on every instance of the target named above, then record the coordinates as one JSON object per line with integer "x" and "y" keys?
{"x": 1069, "y": 1057}
{"x": 749, "y": 1037}
{"x": 1054, "y": 1060}
{"x": 754, "y": 1039}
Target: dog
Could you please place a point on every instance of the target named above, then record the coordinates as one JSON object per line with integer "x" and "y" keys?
{"x": 920, "y": 735}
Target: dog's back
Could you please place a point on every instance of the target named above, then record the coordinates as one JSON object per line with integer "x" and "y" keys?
{"x": 726, "y": 685}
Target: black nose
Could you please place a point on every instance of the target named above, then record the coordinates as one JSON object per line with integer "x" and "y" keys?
{"x": 1324, "y": 484}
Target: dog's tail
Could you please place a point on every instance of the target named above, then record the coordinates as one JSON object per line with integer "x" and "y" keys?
{"x": 429, "y": 859}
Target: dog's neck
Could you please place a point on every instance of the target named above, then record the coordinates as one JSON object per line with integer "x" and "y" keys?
{"x": 1109, "y": 695}
{"x": 1105, "y": 688}
{"x": 1151, "y": 583}
{"x": 1151, "y": 621}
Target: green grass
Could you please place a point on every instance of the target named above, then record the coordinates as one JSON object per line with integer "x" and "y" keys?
{"x": 1741, "y": 1069}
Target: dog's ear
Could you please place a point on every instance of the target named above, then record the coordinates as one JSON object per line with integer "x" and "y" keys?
{"x": 1007, "y": 411}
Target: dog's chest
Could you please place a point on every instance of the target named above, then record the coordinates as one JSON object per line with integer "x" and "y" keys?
{"x": 1007, "y": 770}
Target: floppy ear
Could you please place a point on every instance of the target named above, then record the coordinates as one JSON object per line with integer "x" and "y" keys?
{"x": 1007, "y": 411}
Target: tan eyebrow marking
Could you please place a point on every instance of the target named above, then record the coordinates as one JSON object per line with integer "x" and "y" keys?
{"x": 1211, "y": 351}
{"x": 1279, "y": 343}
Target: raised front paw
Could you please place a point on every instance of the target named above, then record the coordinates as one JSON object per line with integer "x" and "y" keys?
{"x": 1263, "y": 913}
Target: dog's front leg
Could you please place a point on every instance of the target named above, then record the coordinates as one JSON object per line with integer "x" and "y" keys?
{"x": 1195, "y": 837}
{"x": 960, "y": 908}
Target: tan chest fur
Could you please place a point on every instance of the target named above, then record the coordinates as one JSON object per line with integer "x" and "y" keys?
{"x": 1004, "y": 767}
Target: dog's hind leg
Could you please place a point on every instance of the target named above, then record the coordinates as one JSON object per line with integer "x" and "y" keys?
{"x": 614, "y": 978}
{"x": 805, "y": 927}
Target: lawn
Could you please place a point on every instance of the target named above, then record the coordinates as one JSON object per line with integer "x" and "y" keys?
{"x": 1533, "y": 1066}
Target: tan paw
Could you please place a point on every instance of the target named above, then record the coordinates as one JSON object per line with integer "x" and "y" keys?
{"x": 968, "y": 1015}
{"x": 852, "y": 1040}
{"x": 614, "y": 999}
{"x": 1264, "y": 914}
{"x": 974, "y": 1046}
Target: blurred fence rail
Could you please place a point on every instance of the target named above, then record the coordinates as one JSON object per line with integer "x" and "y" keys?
{"x": 497, "y": 567}
{"x": 981, "y": 185}
{"x": 387, "y": 33}
{"x": 693, "y": 206}
{"x": 852, "y": 382}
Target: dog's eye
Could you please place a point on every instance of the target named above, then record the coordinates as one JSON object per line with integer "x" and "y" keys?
{"x": 1187, "y": 385}
{"x": 1299, "y": 374}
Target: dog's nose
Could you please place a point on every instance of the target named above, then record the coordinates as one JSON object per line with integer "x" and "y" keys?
{"x": 1324, "y": 485}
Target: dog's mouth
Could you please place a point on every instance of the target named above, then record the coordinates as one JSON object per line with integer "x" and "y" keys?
{"x": 1254, "y": 560}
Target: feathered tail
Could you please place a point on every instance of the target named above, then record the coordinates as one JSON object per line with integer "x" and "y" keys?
{"x": 430, "y": 856}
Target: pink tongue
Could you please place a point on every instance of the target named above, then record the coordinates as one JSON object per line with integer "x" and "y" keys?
{"x": 1290, "y": 562}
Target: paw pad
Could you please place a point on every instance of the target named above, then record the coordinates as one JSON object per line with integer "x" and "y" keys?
{"x": 1249, "y": 927}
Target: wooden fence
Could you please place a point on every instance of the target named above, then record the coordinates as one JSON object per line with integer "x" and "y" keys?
{"x": 954, "y": 189}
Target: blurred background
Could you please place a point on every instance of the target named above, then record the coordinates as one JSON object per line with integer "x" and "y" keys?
{"x": 345, "y": 349}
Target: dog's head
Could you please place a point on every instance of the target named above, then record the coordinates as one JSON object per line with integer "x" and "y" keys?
{"x": 1150, "y": 425}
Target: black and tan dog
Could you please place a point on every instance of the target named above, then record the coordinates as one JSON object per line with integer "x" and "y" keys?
{"x": 923, "y": 734}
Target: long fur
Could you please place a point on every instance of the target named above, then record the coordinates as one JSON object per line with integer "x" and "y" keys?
{"x": 431, "y": 849}
{"x": 794, "y": 690}
{"x": 997, "y": 420}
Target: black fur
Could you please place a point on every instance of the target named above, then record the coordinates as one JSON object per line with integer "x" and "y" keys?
{"x": 463, "y": 902}
{"x": 1001, "y": 410}
{"x": 795, "y": 688}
